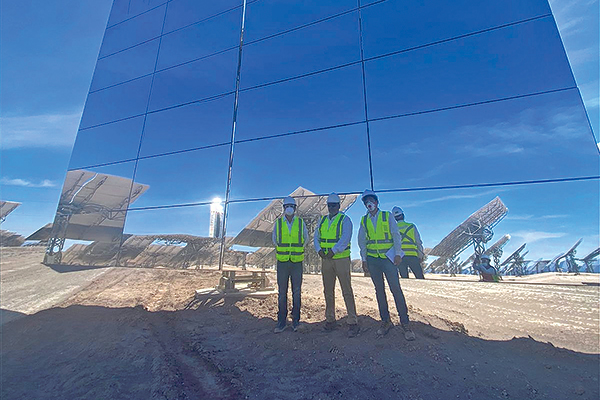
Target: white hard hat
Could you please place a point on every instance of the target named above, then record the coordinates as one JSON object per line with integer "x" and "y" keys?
{"x": 397, "y": 211}
{"x": 367, "y": 193}
{"x": 486, "y": 257}
{"x": 289, "y": 201}
{"x": 333, "y": 198}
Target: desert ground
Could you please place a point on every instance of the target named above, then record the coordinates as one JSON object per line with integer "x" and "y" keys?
{"x": 124, "y": 333}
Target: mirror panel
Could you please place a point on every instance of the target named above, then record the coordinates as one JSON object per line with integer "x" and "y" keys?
{"x": 108, "y": 143}
{"x": 188, "y": 127}
{"x": 123, "y": 101}
{"x": 276, "y": 167}
{"x": 182, "y": 13}
{"x": 318, "y": 101}
{"x": 124, "y": 66}
{"x": 132, "y": 32}
{"x": 496, "y": 65}
{"x": 192, "y": 177}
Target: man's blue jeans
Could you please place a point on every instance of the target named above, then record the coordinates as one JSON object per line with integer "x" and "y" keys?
{"x": 287, "y": 271}
{"x": 378, "y": 267}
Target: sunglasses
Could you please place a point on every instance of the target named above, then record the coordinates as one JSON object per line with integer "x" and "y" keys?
{"x": 333, "y": 205}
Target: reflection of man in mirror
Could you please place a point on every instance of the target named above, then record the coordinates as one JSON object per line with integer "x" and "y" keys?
{"x": 332, "y": 243}
{"x": 411, "y": 245}
{"x": 289, "y": 238}
{"x": 487, "y": 272}
{"x": 381, "y": 251}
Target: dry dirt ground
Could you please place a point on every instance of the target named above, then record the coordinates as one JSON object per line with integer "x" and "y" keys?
{"x": 140, "y": 334}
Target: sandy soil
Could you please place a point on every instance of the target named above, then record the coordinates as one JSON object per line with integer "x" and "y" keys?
{"x": 141, "y": 334}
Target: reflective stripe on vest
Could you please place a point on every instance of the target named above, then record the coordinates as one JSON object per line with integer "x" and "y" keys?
{"x": 409, "y": 243}
{"x": 379, "y": 240}
{"x": 290, "y": 243}
{"x": 330, "y": 233}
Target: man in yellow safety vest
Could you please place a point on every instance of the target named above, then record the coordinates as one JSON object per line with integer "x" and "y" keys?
{"x": 332, "y": 243}
{"x": 411, "y": 245}
{"x": 381, "y": 252}
{"x": 289, "y": 238}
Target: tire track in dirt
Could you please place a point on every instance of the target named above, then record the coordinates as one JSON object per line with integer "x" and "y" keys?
{"x": 185, "y": 371}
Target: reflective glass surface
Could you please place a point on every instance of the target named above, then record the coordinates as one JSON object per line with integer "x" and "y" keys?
{"x": 479, "y": 68}
{"x": 129, "y": 64}
{"x": 192, "y": 177}
{"x": 188, "y": 127}
{"x": 169, "y": 221}
{"x": 119, "y": 12}
{"x": 489, "y": 143}
{"x": 92, "y": 208}
{"x": 123, "y": 101}
{"x": 194, "y": 81}
{"x": 108, "y": 143}
{"x": 182, "y": 13}
{"x": 456, "y": 93}
{"x": 322, "y": 162}
{"x": 301, "y": 51}
{"x": 200, "y": 40}
{"x": 397, "y": 25}
{"x": 173, "y": 238}
{"x": 327, "y": 99}
{"x": 127, "y": 9}
{"x": 270, "y": 17}
{"x": 133, "y": 31}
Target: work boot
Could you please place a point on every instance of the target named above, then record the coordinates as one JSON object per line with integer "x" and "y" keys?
{"x": 280, "y": 328}
{"x": 353, "y": 330}
{"x": 385, "y": 328}
{"x": 408, "y": 333}
{"x": 295, "y": 326}
{"x": 330, "y": 325}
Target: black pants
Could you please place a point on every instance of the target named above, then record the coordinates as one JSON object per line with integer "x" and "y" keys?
{"x": 414, "y": 264}
{"x": 286, "y": 272}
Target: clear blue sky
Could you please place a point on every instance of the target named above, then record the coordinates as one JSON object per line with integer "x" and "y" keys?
{"x": 49, "y": 50}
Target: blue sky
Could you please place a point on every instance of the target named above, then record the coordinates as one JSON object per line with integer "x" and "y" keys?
{"x": 49, "y": 50}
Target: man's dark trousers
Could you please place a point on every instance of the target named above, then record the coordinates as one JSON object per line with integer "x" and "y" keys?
{"x": 380, "y": 267}
{"x": 287, "y": 271}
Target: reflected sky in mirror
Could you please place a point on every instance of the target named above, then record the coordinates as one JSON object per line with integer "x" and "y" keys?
{"x": 507, "y": 141}
{"x": 324, "y": 161}
{"x": 108, "y": 143}
{"x": 133, "y": 31}
{"x": 193, "y": 177}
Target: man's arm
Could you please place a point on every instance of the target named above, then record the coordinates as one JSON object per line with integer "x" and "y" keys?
{"x": 345, "y": 237}
{"x": 274, "y": 236}
{"x": 317, "y": 239}
{"x": 362, "y": 242}
{"x": 305, "y": 233}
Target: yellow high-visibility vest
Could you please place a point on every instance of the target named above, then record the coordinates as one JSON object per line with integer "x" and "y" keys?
{"x": 409, "y": 243}
{"x": 330, "y": 233}
{"x": 379, "y": 240}
{"x": 290, "y": 242}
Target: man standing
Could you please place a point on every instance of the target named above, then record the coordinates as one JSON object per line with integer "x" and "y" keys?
{"x": 289, "y": 237}
{"x": 332, "y": 242}
{"x": 377, "y": 235}
{"x": 411, "y": 245}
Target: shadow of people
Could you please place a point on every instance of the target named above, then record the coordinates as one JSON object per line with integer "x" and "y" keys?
{"x": 225, "y": 349}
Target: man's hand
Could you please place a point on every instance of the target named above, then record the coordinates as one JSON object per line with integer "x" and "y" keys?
{"x": 397, "y": 260}
{"x": 330, "y": 253}
{"x": 322, "y": 253}
{"x": 365, "y": 267}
